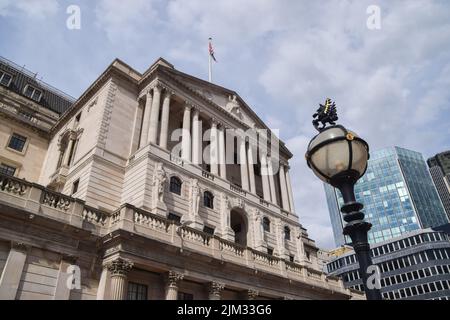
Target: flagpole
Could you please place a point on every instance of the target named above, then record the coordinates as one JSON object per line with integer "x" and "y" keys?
{"x": 209, "y": 65}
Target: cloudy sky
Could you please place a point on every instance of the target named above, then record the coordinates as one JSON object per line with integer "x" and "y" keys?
{"x": 391, "y": 85}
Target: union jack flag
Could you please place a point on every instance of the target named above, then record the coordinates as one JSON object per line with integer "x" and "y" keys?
{"x": 211, "y": 50}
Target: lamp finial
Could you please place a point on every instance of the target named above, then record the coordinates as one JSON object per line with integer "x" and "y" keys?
{"x": 325, "y": 114}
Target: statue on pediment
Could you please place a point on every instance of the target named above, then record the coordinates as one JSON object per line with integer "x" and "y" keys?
{"x": 234, "y": 107}
{"x": 159, "y": 180}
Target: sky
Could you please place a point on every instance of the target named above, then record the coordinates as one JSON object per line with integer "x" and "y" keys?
{"x": 390, "y": 77}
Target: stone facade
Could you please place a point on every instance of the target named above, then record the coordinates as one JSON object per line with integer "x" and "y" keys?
{"x": 116, "y": 206}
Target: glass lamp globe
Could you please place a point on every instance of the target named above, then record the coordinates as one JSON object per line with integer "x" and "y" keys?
{"x": 337, "y": 154}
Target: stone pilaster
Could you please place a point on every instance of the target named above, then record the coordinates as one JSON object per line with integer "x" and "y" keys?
{"x": 173, "y": 279}
{"x": 283, "y": 187}
{"x": 119, "y": 269}
{"x": 12, "y": 271}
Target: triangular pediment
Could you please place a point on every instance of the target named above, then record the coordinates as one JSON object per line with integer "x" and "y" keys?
{"x": 227, "y": 99}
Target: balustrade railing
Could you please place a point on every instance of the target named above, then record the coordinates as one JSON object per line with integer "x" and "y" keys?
{"x": 151, "y": 221}
{"x": 265, "y": 258}
{"x": 207, "y": 175}
{"x": 13, "y": 185}
{"x": 94, "y": 216}
{"x": 56, "y": 200}
{"x": 195, "y": 235}
{"x": 231, "y": 247}
{"x": 237, "y": 189}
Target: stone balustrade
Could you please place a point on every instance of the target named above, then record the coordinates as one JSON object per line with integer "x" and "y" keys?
{"x": 38, "y": 200}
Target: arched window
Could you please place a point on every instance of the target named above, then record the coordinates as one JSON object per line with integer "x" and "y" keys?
{"x": 266, "y": 224}
{"x": 208, "y": 199}
{"x": 175, "y": 185}
{"x": 287, "y": 233}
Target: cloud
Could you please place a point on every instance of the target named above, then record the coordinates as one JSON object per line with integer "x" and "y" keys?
{"x": 283, "y": 57}
{"x": 35, "y": 9}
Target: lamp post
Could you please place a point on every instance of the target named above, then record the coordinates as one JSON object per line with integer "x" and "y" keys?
{"x": 339, "y": 157}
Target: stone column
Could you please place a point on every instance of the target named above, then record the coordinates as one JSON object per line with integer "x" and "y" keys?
{"x": 251, "y": 170}
{"x": 289, "y": 187}
{"x": 215, "y": 290}
{"x": 154, "y": 114}
{"x": 252, "y": 294}
{"x": 119, "y": 269}
{"x": 12, "y": 271}
{"x": 196, "y": 138}
{"x": 173, "y": 279}
{"x": 271, "y": 181}
{"x": 186, "y": 137}
{"x": 165, "y": 120}
{"x": 265, "y": 178}
{"x": 214, "y": 149}
{"x": 146, "y": 119}
{"x": 222, "y": 157}
{"x": 243, "y": 165}
{"x": 283, "y": 188}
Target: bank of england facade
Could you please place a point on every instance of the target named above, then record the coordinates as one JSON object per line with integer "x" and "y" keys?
{"x": 131, "y": 191}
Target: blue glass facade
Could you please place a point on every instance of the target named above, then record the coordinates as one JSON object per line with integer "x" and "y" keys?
{"x": 398, "y": 196}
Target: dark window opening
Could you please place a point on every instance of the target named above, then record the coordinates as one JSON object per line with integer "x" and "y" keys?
{"x": 75, "y": 186}
{"x": 17, "y": 142}
{"x": 208, "y": 230}
{"x": 7, "y": 170}
{"x": 137, "y": 291}
{"x": 266, "y": 224}
{"x": 208, "y": 199}
{"x": 175, "y": 185}
{"x": 185, "y": 296}
{"x": 174, "y": 217}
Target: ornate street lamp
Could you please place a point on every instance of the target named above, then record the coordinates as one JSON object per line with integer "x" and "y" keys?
{"x": 339, "y": 157}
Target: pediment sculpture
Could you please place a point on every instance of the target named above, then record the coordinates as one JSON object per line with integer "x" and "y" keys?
{"x": 234, "y": 107}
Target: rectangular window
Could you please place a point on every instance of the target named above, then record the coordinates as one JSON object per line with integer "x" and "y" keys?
{"x": 75, "y": 186}
{"x": 137, "y": 291}
{"x": 208, "y": 230}
{"x": 291, "y": 258}
{"x": 32, "y": 93}
{"x": 270, "y": 251}
{"x": 7, "y": 170}
{"x": 414, "y": 291}
{"x": 5, "y": 78}
{"x": 185, "y": 296}
{"x": 420, "y": 289}
{"x": 174, "y": 217}
{"x": 17, "y": 142}
{"x": 439, "y": 286}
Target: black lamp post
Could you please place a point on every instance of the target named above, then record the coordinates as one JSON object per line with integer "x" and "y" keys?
{"x": 339, "y": 157}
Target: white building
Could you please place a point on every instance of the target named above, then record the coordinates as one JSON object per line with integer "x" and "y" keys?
{"x": 108, "y": 191}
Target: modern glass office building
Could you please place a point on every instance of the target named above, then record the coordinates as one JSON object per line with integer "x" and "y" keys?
{"x": 398, "y": 196}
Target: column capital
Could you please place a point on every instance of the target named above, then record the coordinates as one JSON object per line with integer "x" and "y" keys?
{"x": 196, "y": 110}
{"x": 19, "y": 246}
{"x": 215, "y": 288}
{"x": 168, "y": 93}
{"x": 173, "y": 278}
{"x": 119, "y": 266}
{"x": 214, "y": 122}
{"x": 252, "y": 294}
{"x": 157, "y": 86}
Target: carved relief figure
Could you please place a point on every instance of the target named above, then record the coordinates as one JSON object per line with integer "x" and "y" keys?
{"x": 159, "y": 180}
{"x": 195, "y": 197}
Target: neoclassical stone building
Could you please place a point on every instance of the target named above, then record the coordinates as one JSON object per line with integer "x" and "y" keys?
{"x": 148, "y": 186}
